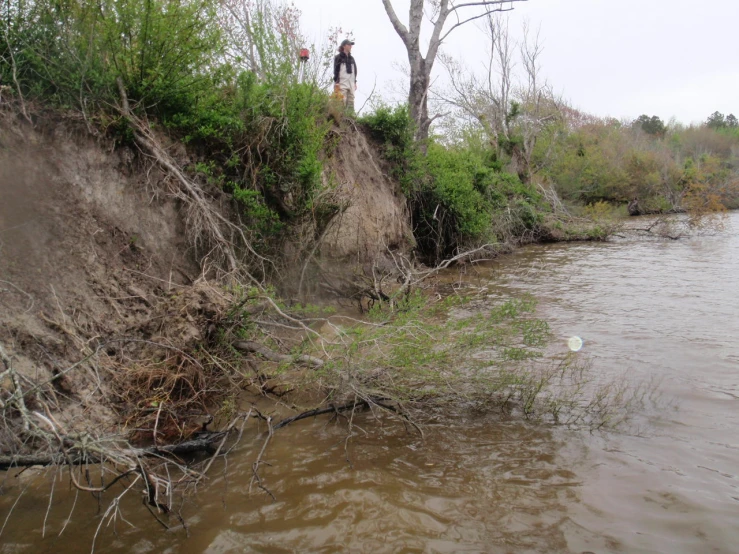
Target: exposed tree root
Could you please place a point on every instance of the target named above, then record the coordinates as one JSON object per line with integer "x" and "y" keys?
{"x": 206, "y": 223}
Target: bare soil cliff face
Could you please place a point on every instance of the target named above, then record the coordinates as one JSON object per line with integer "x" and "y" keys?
{"x": 376, "y": 219}
{"x": 86, "y": 249}
{"x": 371, "y": 225}
{"x": 92, "y": 250}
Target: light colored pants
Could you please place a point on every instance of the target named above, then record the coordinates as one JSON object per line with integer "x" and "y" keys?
{"x": 347, "y": 91}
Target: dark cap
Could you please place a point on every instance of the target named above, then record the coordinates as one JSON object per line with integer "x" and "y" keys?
{"x": 345, "y": 42}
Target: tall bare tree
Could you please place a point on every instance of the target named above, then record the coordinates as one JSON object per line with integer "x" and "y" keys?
{"x": 445, "y": 17}
{"x": 513, "y": 107}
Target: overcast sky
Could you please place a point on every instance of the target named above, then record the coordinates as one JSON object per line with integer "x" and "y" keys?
{"x": 620, "y": 58}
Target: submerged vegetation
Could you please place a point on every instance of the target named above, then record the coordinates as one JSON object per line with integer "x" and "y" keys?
{"x": 465, "y": 352}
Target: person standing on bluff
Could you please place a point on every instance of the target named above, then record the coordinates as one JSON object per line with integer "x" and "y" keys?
{"x": 345, "y": 74}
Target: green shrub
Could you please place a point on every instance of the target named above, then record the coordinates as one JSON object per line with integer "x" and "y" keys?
{"x": 392, "y": 129}
{"x": 455, "y": 185}
{"x": 458, "y": 195}
{"x": 70, "y": 53}
{"x": 605, "y": 161}
{"x": 268, "y": 139}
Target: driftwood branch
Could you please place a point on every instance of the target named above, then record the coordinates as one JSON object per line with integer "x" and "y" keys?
{"x": 365, "y": 402}
{"x": 258, "y": 462}
{"x": 332, "y": 409}
{"x": 204, "y": 443}
{"x": 255, "y": 347}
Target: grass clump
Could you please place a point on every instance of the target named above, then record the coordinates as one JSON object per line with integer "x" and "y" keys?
{"x": 441, "y": 356}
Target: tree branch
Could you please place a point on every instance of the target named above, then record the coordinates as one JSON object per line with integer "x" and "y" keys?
{"x": 485, "y": 3}
{"x": 203, "y": 443}
{"x": 320, "y": 411}
{"x": 251, "y": 346}
{"x": 399, "y": 27}
{"x": 435, "y": 41}
{"x": 460, "y": 23}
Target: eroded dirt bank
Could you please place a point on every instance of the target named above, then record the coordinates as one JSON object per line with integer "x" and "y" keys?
{"x": 88, "y": 249}
{"x": 97, "y": 266}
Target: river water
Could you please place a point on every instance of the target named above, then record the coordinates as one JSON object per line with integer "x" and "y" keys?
{"x": 667, "y": 482}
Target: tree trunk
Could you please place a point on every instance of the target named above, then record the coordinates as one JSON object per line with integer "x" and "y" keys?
{"x": 418, "y": 99}
{"x": 421, "y": 66}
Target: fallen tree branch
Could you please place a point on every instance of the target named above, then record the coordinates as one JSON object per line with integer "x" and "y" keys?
{"x": 276, "y": 308}
{"x": 402, "y": 414}
{"x": 320, "y": 411}
{"x": 251, "y": 346}
{"x": 255, "y": 466}
{"x": 411, "y": 277}
{"x": 204, "y": 443}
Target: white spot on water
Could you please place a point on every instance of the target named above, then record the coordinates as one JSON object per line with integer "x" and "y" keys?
{"x": 574, "y": 343}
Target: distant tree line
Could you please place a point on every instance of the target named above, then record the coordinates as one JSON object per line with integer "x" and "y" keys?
{"x": 717, "y": 121}
{"x": 656, "y": 127}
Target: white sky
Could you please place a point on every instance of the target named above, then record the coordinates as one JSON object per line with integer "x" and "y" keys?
{"x": 620, "y": 58}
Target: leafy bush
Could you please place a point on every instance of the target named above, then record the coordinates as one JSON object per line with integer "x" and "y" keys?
{"x": 458, "y": 195}
{"x": 455, "y": 186}
{"x": 284, "y": 132}
{"x": 70, "y": 53}
{"x": 268, "y": 139}
{"x": 392, "y": 129}
{"x": 606, "y": 161}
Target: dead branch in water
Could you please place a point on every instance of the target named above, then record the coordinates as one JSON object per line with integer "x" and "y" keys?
{"x": 676, "y": 227}
{"x": 408, "y": 275}
{"x": 332, "y": 409}
{"x": 203, "y": 443}
{"x": 258, "y": 462}
{"x": 157, "y": 471}
{"x": 357, "y": 402}
{"x": 251, "y": 346}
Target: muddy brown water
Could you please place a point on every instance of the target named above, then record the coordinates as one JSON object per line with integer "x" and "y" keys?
{"x": 666, "y": 483}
